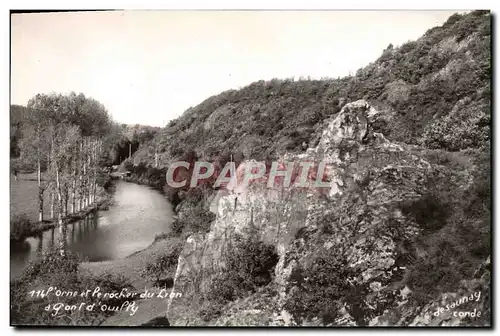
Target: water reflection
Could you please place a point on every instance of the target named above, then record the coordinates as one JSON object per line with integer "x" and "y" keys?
{"x": 33, "y": 247}
{"x": 130, "y": 224}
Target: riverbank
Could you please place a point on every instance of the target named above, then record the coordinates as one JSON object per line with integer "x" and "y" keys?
{"x": 39, "y": 227}
{"x": 24, "y": 209}
{"x": 130, "y": 237}
{"x": 132, "y": 269}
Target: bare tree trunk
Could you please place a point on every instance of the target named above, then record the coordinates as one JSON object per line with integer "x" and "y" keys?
{"x": 73, "y": 192}
{"x": 84, "y": 175}
{"x": 87, "y": 182}
{"x": 76, "y": 180}
{"x": 91, "y": 172}
{"x": 60, "y": 219}
{"x": 73, "y": 184}
{"x": 94, "y": 182}
{"x": 87, "y": 191}
{"x": 40, "y": 191}
{"x": 40, "y": 204}
{"x": 65, "y": 203}
{"x": 39, "y": 247}
{"x": 80, "y": 177}
{"x": 52, "y": 204}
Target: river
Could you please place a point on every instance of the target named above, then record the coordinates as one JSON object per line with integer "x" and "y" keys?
{"x": 129, "y": 225}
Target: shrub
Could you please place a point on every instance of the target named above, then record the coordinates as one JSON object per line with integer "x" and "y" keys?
{"x": 51, "y": 263}
{"x": 249, "y": 265}
{"x": 317, "y": 290}
{"x": 61, "y": 272}
{"x": 462, "y": 241}
{"x": 165, "y": 262}
{"x": 430, "y": 212}
{"x": 177, "y": 226}
{"x": 104, "y": 180}
{"x": 20, "y": 226}
{"x": 193, "y": 218}
{"x": 252, "y": 259}
{"x": 164, "y": 236}
{"x": 198, "y": 221}
{"x": 210, "y": 311}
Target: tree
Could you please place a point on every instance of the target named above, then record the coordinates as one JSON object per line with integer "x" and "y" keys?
{"x": 64, "y": 140}
{"x": 62, "y": 136}
{"x": 35, "y": 147}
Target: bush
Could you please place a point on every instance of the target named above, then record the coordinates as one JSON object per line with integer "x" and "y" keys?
{"x": 462, "y": 241}
{"x": 198, "y": 221}
{"x": 430, "y": 212}
{"x": 317, "y": 290}
{"x": 62, "y": 272}
{"x": 177, "y": 227}
{"x": 253, "y": 260}
{"x": 20, "y": 226}
{"x": 193, "y": 218}
{"x": 164, "y": 236}
{"x": 52, "y": 263}
{"x": 164, "y": 263}
{"x": 249, "y": 265}
{"x": 210, "y": 311}
{"x": 104, "y": 180}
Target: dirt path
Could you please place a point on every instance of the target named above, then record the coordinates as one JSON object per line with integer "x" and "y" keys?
{"x": 131, "y": 267}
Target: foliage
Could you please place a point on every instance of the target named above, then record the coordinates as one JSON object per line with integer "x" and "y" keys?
{"x": 104, "y": 180}
{"x": 61, "y": 272}
{"x": 123, "y": 140}
{"x": 462, "y": 239}
{"x": 61, "y": 137}
{"x": 318, "y": 290}
{"x": 89, "y": 115}
{"x": 165, "y": 262}
{"x": 20, "y": 226}
{"x": 17, "y": 113}
{"x": 467, "y": 126}
{"x": 151, "y": 176}
{"x": 51, "y": 262}
{"x": 421, "y": 84}
{"x": 30, "y": 125}
{"x": 430, "y": 211}
{"x": 248, "y": 265}
{"x": 195, "y": 219}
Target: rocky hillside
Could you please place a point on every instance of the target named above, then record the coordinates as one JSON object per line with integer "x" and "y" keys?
{"x": 436, "y": 92}
{"x": 380, "y": 248}
{"x": 400, "y": 238}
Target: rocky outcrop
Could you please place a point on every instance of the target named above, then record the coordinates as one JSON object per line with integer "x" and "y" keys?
{"x": 359, "y": 218}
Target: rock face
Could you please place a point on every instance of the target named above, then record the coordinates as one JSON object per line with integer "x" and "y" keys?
{"x": 359, "y": 219}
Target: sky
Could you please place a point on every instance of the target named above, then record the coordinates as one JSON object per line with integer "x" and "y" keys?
{"x": 148, "y": 67}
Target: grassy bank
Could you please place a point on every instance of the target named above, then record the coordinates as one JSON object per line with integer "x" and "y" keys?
{"x": 24, "y": 206}
{"x": 72, "y": 273}
{"x": 22, "y": 227}
{"x": 32, "y": 308}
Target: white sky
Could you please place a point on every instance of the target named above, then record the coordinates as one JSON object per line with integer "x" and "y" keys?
{"x": 148, "y": 67}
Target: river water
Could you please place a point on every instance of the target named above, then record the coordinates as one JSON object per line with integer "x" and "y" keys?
{"x": 129, "y": 225}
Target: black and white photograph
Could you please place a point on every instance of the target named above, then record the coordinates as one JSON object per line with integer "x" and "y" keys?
{"x": 250, "y": 168}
